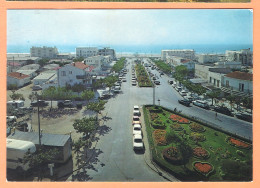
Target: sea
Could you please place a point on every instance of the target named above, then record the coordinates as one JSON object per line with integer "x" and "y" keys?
{"x": 141, "y": 49}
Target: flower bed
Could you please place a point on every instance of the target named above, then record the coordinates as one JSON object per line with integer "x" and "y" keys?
{"x": 203, "y": 168}
{"x": 196, "y": 127}
{"x": 238, "y": 143}
{"x": 179, "y": 119}
{"x": 197, "y": 137}
{"x": 173, "y": 155}
{"x": 158, "y": 124}
{"x": 160, "y": 137}
{"x": 154, "y": 116}
{"x": 176, "y": 127}
{"x": 200, "y": 152}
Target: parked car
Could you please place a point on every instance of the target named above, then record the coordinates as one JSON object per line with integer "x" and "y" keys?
{"x": 40, "y": 103}
{"x": 201, "y": 103}
{"x": 157, "y": 82}
{"x": 136, "y": 120}
{"x": 183, "y": 93}
{"x": 223, "y": 110}
{"x": 136, "y": 113}
{"x": 124, "y": 80}
{"x": 189, "y": 98}
{"x": 65, "y": 103}
{"x": 170, "y": 82}
{"x": 136, "y": 107}
{"x": 137, "y": 129}
{"x": 36, "y": 87}
{"x": 154, "y": 78}
{"x": 245, "y": 116}
{"x": 138, "y": 142}
{"x": 184, "y": 102}
{"x": 133, "y": 83}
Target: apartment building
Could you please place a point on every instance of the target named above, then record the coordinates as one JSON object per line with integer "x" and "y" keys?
{"x": 86, "y": 52}
{"x": 107, "y": 52}
{"x": 245, "y": 56}
{"x": 207, "y": 58}
{"x": 188, "y": 54}
{"x": 44, "y": 52}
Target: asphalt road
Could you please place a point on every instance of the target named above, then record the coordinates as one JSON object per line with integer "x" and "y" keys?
{"x": 115, "y": 158}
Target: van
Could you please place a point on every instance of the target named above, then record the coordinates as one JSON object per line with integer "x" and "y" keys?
{"x": 16, "y": 150}
{"x": 202, "y": 104}
{"x": 15, "y": 104}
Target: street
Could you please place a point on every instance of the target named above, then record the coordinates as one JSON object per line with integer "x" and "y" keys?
{"x": 116, "y": 159}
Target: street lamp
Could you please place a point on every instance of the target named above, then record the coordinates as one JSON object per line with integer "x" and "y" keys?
{"x": 159, "y": 101}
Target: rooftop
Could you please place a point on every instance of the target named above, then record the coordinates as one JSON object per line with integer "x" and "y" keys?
{"x": 240, "y": 75}
{"x": 80, "y": 65}
{"x": 46, "y": 139}
{"x": 17, "y": 75}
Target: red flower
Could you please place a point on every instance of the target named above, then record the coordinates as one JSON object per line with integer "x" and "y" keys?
{"x": 238, "y": 143}
{"x": 203, "y": 167}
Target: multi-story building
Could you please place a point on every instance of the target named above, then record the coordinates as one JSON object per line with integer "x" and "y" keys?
{"x": 75, "y": 73}
{"x": 86, "y": 51}
{"x": 208, "y": 58}
{"x": 176, "y": 61}
{"x": 188, "y": 54}
{"x": 244, "y": 56}
{"x": 228, "y": 64}
{"x": 238, "y": 83}
{"x": 106, "y": 52}
{"x": 44, "y": 52}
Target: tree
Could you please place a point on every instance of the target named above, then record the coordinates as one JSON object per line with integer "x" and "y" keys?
{"x": 248, "y": 102}
{"x": 78, "y": 145}
{"x": 43, "y": 62}
{"x": 110, "y": 81}
{"x": 213, "y": 95}
{"x": 181, "y": 72}
{"x": 85, "y": 125}
{"x": 32, "y": 96}
{"x": 231, "y": 99}
{"x": 78, "y": 88}
{"x": 78, "y": 59}
{"x": 87, "y": 95}
{"x": 17, "y": 96}
{"x": 97, "y": 106}
{"x": 12, "y": 87}
{"x": 40, "y": 158}
{"x": 49, "y": 94}
{"x": 97, "y": 84}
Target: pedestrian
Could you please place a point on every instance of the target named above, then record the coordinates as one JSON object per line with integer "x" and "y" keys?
{"x": 216, "y": 116}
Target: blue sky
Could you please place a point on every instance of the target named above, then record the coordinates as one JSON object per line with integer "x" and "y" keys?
{"x": 129, "y": 27}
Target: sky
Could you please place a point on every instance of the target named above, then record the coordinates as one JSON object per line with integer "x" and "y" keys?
{"x": 129, "y": 27}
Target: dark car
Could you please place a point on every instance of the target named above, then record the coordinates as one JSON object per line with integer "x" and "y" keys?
{"x": 65, "y": 103}
{"x": 184, "y": 102}
{"x": 40, "y": 103}
{"x": 157, "y": 82}
{"x": 244, "y": 116}
{"x": 223, "y": 110}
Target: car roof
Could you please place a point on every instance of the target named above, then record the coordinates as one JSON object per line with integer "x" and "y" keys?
{"x": 138, "y": 136}
{"x": 137, "y": 125}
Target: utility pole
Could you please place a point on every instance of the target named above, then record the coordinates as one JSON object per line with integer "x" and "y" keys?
{"x": 154, "y": 95}
{"x": 39, "y": 125}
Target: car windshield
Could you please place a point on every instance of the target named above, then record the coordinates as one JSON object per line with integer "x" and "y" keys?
{"x": 137, "y": 128}
{"x": 138, "y": 140}
{"x": 136, "y": 119}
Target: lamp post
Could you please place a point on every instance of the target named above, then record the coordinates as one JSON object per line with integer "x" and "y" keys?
{"x": 159, "y": 101}
{"x": 39, "y": 125}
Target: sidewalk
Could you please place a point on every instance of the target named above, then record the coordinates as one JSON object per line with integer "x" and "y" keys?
{"x": 148, "y": 157}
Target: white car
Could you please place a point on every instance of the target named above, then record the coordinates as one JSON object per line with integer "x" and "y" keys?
{"x": 11, "y": 119}
{"x": 183, "y": 93}
{"x": 137, "y": 129}
{"x": 201, "y": 103}
{"x": 138, "y": 142}
{"x": 136, "y": 107}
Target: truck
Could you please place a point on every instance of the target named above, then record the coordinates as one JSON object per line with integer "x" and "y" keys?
{"x": 15, "y": 104}
{"x": 16, "y": 150}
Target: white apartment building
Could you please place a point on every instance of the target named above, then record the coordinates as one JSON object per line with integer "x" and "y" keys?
{"x": 86, "y": 51}
{"x": 228, "y": 64}
{"x": 238, "y": 83}
{"x": 44, "y": 52}
{"x": 208, "y": 58}
{"x": 176, "y": 61}
{"x": 245, "y": 56}
{"x": 75, "y": 73}
{"x": 107, "y": 52}
{"x": 188, "y": 54}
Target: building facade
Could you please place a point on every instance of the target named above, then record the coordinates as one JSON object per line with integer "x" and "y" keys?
{"x": 44, "y": 52}
{"x": 75, "y": 73}
{"x": 18, "y": 79}
{"x": 107, "y": 52}
{"x": 86, "y": 52}
{"x": 207, "y": 58}
{"x": 245, "y": 56}
{"x": 188, "y": 54}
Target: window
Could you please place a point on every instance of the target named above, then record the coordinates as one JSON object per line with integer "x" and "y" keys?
{"x": 217, "y": 83}
{"x": 63, "y": 73}
{"x": 70, "y": 72}
{"x": 241, "y": 87}
{"x": 227, "y": 83}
